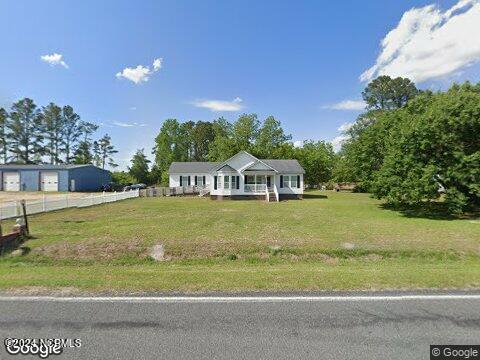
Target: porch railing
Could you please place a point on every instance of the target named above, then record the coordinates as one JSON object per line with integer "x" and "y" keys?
{"x": 255, "y": 188}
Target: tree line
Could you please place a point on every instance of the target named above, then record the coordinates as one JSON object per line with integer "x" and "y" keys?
{"x": 51, "y": 134}
{"x": 413, "y": 148}
{"x": 219, "y": 140}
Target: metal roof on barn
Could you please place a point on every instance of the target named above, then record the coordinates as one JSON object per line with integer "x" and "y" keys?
{"x": 43, "y": 166}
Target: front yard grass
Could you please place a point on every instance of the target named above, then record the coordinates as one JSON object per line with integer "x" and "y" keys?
{"x": 326, "y": 241}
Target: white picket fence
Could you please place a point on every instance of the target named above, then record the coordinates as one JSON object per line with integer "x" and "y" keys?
{"x": 13, "y": 209}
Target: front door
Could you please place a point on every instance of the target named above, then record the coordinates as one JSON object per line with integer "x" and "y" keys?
{"x": 269, "y": 181}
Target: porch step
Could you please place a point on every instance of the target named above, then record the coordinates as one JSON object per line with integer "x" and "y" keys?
{"x": 204, "y": 192}
{"x": 271, "y": 196}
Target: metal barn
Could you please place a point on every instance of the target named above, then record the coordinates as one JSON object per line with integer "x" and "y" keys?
{"x": 53, "y": 177}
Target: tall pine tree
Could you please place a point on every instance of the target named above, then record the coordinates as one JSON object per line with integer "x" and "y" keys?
{"x": 26, "y": 132}
{"x": 83, "y": 152}
{"x": 53, "y": 123}
{"x": 3, "y": 135}
{"x": 104, "y": 151}
{"x": 71, "y": 131}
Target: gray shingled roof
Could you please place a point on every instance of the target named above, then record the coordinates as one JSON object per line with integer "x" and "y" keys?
{"x": 282, "y": 166}
{"x": 192, "y": 167}
{"x": 227, "y": 168}
{"x": 285, "y": 166}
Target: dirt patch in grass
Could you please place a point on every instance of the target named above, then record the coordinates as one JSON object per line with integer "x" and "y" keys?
{"x": 93, "y": 249}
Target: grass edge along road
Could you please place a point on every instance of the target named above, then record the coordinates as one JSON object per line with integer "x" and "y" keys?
{"x": 241, "y": 276}
{"x": 246, "y": 245}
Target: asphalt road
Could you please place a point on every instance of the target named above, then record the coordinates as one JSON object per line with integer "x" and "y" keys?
{"x": 263, "y": 329}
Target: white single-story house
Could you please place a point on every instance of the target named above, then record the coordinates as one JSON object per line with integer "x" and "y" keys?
{"x": 243, "y": 176}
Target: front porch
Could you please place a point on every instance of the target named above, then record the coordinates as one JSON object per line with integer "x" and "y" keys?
{"x": 259, "y": 183}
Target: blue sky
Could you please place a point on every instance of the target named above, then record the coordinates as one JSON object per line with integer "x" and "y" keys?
{"x": 297, "y": 60}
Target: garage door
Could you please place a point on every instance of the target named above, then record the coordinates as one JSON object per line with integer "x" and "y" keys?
{"x": 11, "y": 181}
{"x": 49, "y": 180}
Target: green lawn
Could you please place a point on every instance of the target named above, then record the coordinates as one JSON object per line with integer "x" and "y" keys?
{"x": 326, "y": 241}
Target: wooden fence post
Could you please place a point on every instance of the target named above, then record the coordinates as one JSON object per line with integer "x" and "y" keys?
{"x": 25, "y": 218}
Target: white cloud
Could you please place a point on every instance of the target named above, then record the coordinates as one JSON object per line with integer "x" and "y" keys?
{"x": 140, "y": 73}
{"x": 220, "y": 105}
{"x": 429, "y": 43}
{"x": 298, "y": 143}
{"x": 157, "y": 64}
{"x": 124, "y": 124}
{"x": 345, "y": 127}
{"x": 347, "y": 105}
{"x": 54, "y": 59}
{"x": 338, "y": 141}
{"x": 137, "y": 75}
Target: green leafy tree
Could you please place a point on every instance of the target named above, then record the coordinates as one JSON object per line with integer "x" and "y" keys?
{"x": 223, "y": 146}
{"x": 284, "y": 151}
{"x": 53, "y": 123}
{"x": 104, "y": 151}
{"x": 202, "y": 136}
{"x": 26, "y": 132}
{"x": 342, "y": 171}
{"x": 140, "y": 167}
{"x": 362, "y": 155}
{"x": 385, "y": 93}
{"x": 72, "y": 131}
{"x": 317, "y": 158}
{"x": 168, "y": 148}
{"x": 435, "y": 144}
{"x": 185, "y": 141}
{"x": 270, "y": 137}
{"x": 245, "y": 131}
{"x": 4, "y": 135}
{"x": 122, "y": 177}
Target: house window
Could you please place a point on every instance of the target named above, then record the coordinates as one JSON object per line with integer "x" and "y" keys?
{"x": 226, "y": 182}
{"x": 184, "y": 181}
{"x": 293, "y": 181}
{"x": 286, "y": 181}
{"x": 234, "y": 182}
{"x": 250, "y": 179}
{"x": 199, "y": 181}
